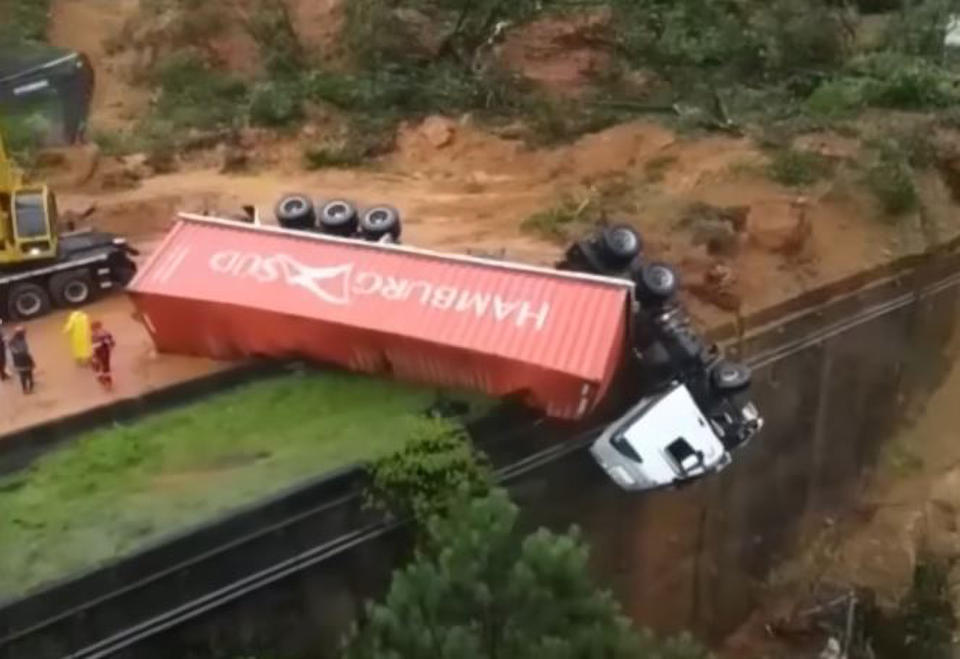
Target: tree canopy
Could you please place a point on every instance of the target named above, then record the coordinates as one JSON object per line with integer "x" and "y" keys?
{"x": 480, "y": 590}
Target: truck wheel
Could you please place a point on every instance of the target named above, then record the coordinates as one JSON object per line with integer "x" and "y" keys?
{"x": 621, "y": 245}
{"x": 380, "y": 221}
{"x": 71, "y": 289}
{"x": 27, "y": 301}
{"x": 656, "y": 283}
{"x": 730, "y": 377}
{"x": 295, "y": 211}
{"x": 339, "y": 218}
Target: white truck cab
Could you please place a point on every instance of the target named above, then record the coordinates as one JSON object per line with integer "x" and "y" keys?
{"x": 694, "y": 410}
{"x": 667, "y": 440}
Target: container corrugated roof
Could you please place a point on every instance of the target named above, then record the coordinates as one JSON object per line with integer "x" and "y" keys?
{"x": 560, "y": 322}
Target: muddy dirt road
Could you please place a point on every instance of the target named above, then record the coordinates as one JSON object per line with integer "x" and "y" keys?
{"x": 475, "y": 193}
{"x": 64, "y": 388}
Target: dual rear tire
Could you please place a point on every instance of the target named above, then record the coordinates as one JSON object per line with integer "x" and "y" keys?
{"x": 28, "y": 300}
{"x": 338, "y": 217}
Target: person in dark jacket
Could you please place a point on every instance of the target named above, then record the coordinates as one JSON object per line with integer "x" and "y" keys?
{"x": 22, "y": 359}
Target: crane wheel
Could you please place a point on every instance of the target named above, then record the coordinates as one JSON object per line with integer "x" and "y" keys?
{"x": 27, "y": 301}
{"x": 71, "y": 289}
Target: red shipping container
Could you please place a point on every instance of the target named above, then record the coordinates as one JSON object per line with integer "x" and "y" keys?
{"x": 229, "y": 290}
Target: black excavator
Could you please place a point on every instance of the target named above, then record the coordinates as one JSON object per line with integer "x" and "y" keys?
{"x": 55, "y": 84}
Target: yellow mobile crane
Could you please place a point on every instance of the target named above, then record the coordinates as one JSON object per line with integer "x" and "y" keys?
{"x": 39, "y": 268}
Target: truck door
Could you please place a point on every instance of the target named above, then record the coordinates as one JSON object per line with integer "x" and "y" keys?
{"x": 31, "y": 224}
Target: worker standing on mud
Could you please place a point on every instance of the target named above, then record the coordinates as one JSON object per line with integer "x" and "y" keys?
{"x": 103, "y": 344}
{"x": 78, "y": 327}
{"x": 22, "y": 359}
{"x": 4, "y": 376}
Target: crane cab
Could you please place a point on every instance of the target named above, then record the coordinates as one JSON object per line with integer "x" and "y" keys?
{"x": 28, "y": 219}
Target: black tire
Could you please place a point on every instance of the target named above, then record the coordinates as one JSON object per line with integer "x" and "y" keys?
{"x": 295, "y": 211}
{"x": 27, "y": 301}
{"x": 620, "y": 245}
{"x": 656, "y": 283}
{"x": 581, "y": 256}
{"x": 729, "y": 377}
{"x": 71, "y": 289}
{"x": 380, "y": 221}
{"x": 339, "y": 218}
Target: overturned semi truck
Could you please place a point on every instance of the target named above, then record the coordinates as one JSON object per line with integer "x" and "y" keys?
{"x": 553, "y": 339}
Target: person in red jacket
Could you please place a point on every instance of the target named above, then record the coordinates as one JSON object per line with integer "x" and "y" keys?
{"x": 102, "y": 348}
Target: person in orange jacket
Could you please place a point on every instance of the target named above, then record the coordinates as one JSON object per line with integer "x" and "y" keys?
{"x": 103, "y": 344}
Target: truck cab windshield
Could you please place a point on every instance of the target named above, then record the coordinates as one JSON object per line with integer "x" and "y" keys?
{"x": 30, "y": 215}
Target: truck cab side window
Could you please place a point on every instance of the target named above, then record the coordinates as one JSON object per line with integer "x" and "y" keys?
{"x": 30, "y": 215}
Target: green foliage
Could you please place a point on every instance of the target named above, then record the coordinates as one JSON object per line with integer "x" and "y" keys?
{"x": 24, "y": 134}
{"x": 481, "y": 591}
{"x": 920, "y": 28}
{"x": 903, "y": 81}
{"x": 386, "y": 33}
{"x": 433, "y": 467}
{"x": 877, "y": 6}
{"x": 24, "y": 21}
{"x": 804, "y": 47}
{"x": 793, "y": 167}
{"x": 553, "y": 120}
{"x": 113, "y": 490}
{"x": 555, "y": 222}
{"x": 396, "y": 91}
{"x": 365, "y": 137}
{"x": 802, "y": 35}
{"x": 328, "y": 156}
{"x": 111, "y": 143}
{"x": 884, "y": 80}
{"x": 272, "y": 28}
{"x": 838, "y": 98}
{"x": 195, "y": 95}
{"x": 155, "y": 137}
{"x": 704, "y": 34}
{"x": 924, "y": 623}
{"x": 916, "y": 143}
{"x": 276, "y": 103}
{"x": 890, "y": 178}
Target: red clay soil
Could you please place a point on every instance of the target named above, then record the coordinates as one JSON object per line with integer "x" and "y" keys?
{"x": 563, "y": 54}
{"x": 85, "y": 25}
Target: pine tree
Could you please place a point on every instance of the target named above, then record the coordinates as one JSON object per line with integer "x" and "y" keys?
{"x": 478, "y": 590}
